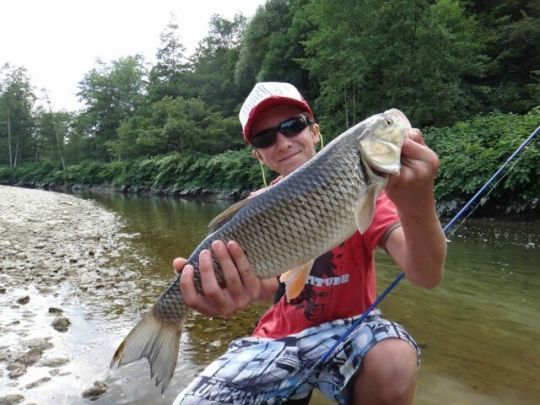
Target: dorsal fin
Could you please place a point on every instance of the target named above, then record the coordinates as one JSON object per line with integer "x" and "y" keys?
{"x": 225, "y": 216}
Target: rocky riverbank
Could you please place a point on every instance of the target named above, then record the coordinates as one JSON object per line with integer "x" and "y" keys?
{"x": 57, "y": 256}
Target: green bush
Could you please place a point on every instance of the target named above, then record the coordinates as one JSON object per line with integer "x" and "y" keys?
{"x": 34, "y": 171}
{"x": 471, "y": 152}
{"x": 6, "y": 175}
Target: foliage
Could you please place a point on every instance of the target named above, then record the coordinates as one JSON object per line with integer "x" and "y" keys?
{"x": 271, "y": 20}
{"x": 471, "y": 151}
{"x": 112, "y": 93}
{"x": 393, "y": 54}
{"x": 175, "y": 125}
{"x": 213, "y": 65}
{"x": 6, "y": 175}
{"x": 167, "y": 76}
{"x": 16, "y": 120}
{"x": 458, "y": 67}
{"x": 511, "y": 32}
{"x": 231, "y": 170}
{"x": 34, "y": 172}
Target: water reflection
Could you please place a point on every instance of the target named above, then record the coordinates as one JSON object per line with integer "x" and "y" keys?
{"x": 479, "y": 330}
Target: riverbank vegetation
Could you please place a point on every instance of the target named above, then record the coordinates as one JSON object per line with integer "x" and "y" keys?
{"x": 466, "y": 72}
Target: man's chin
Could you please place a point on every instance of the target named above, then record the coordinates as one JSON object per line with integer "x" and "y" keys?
{"x": 290, "y": 164}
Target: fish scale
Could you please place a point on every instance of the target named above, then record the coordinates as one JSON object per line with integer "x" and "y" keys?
{"x": 309, "y": 212}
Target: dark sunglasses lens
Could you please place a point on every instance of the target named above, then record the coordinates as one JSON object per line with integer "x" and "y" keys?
{"x": 293, "y": 126}
{"x": 264, "y": 138}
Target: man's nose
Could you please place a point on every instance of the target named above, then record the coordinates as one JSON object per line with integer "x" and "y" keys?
{"x": 282, "y": 140}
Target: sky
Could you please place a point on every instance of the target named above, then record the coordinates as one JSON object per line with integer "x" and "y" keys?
{"x": 59, "y": 41}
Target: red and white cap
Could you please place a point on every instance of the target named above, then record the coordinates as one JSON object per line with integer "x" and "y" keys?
{"x": 264, "y": 95}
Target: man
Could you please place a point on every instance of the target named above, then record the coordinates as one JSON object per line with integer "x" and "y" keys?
{"x": 378, "y": 365}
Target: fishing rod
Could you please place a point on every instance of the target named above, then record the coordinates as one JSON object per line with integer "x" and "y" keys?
{"x": 393, "y": 284}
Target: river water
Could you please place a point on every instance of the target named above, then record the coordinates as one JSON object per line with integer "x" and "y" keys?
{"x": 479, "y": 331}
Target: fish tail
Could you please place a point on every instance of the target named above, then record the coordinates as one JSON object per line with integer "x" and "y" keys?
{"x": 157, "y": 341}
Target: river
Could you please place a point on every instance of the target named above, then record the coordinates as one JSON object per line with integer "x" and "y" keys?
{"x": 479, "y": 330}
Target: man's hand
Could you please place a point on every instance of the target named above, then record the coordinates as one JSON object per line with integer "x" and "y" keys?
{"x": 419, "y": 247}
{"x": 412, "y": 189}
{"x": 241, "y": 285}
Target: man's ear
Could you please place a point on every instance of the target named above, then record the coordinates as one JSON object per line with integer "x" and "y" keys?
{"x": 255, "y": 153}
{"x": 315, "y": 133}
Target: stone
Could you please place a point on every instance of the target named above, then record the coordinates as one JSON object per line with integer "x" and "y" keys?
{"x": 37, "y": 383}
{"x": 31, "y": 356}
{"x": 11, "y": 399}
{"x": 16, "y": 369}
{"x": 39, "y": 343}
{"x": 23, "y": 300}
{"x": 96, "y": 391}
{"x": 54, "y": 362}
{"x": 61, "y": 324}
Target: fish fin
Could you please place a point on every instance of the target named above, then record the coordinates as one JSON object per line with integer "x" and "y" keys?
{"x": 365, "y": 209}
{"x": 155, "y": 340}
{"x": 295, "y": 279}
{"x": 225, "y": 216}
{"x": 283, "y": 277}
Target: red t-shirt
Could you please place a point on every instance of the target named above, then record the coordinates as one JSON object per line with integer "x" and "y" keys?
{"x": 341, "y": 284}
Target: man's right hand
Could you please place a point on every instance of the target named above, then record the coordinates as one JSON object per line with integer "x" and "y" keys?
{"x": 241, "y": 285}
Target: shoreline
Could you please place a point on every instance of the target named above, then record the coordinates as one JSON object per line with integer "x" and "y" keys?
{"x": 191, "y": 194}
{"x": 215, "y": 195}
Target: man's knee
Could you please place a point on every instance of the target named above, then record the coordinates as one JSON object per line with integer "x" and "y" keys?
{"x": 387, "y": 374}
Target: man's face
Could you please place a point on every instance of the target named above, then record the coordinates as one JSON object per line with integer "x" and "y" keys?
{"x": 287, "y": 153}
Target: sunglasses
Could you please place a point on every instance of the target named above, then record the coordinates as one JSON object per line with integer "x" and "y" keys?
{"x": 289, "y": 128}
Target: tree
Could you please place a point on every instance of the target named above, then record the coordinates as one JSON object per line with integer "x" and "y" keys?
{"x": 112, "y": 93}
{"x": 212, "y": 66}
{"x": 16, "y": 121}
{"x": 269, "y": 20}
{"x": 286, "y": 49}
{"x": 512, "y": 32}
{"x": 52, "y": 130}
{"x": 370, "y": 55}
{"x": 167, "y": 76}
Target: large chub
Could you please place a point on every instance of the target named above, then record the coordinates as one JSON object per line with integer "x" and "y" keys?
{"x": 155, "y": 340}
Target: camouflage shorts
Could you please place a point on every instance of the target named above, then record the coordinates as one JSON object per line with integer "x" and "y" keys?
{"x": 258, "y": 370}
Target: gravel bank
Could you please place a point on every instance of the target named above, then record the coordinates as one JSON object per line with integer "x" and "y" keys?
{"x": 57, "y": 263}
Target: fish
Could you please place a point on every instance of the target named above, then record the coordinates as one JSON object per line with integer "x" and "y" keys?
{"x": 283, "y": 230}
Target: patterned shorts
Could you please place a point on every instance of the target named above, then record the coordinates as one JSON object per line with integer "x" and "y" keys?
{"x": 260, "y": 371}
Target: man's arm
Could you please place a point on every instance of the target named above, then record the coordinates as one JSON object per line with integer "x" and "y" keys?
{"x": 419, "y": 246}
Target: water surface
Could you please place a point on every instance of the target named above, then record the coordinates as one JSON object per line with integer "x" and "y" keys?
{"x": 479, "y": 330}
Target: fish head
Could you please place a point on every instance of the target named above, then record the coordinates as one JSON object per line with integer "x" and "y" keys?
{"x": 380, "y": 143}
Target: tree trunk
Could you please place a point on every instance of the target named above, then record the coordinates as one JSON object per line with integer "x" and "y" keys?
{"x": 346, "y": 107}
{"x": 17, "y": 154}
{"x": 9, "y": 142}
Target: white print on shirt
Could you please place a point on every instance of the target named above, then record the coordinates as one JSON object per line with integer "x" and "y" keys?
{"x": 329, "y": 281}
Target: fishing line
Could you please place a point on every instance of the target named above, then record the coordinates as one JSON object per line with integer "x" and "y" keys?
{"x": 282, "y": 395}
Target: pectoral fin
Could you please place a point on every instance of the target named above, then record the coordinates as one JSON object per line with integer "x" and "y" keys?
{"x": 295, "y": 279}
{"x": 366, "y": 209}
